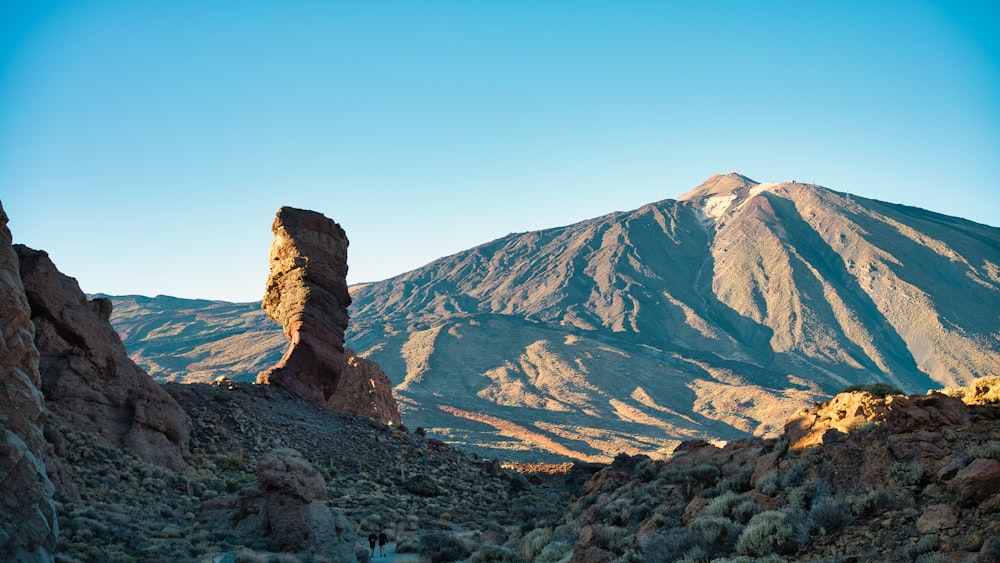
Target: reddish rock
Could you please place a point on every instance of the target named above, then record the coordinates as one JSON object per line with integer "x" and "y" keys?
{"x": 88, "y": 380}
{"x": 307, "y": 294}
{"x": 586, "y": 549}
{"x": 935, "y": 518}
{"x": 694, "y": 509}
{"x": 284, "y": 509}
{"x": 28, "y": 528}
{"x": 829, "y": 421}
{"x": 978, "y": 480}
{"x": 365, "y": 390}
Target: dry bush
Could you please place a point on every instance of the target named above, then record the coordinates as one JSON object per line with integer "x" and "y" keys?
{"x": 982, "y": 391}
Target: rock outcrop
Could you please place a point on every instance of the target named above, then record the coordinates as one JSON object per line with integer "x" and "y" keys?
{"x": 28, "y": 527}
{"x": 285, "y": 510}
{"x": 88, "y": 380}
{"x": 365, "y": 390}
{"x": 829, "y": 421}
{"x": 307, "y": 294}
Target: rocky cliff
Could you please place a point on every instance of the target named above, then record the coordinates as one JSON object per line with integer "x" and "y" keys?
{"x": 28, "y": 528}
{"x": 307, "y": 294}
{"x": 88, "y": 380}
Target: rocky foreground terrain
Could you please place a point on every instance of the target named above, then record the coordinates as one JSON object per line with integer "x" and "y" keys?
{"x": 860, "y": 478}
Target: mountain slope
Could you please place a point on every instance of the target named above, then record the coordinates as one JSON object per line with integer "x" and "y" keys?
{"x": 714, "y": 316}
{"x": 195, "y": 340}
{"x": 733, "y": 305}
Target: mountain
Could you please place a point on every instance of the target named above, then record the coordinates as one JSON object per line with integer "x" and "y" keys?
{"x": 713, "y": 316}
{"x": 196, "y": 340}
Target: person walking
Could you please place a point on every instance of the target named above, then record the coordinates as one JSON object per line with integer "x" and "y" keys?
{"x": 382, "y": 540}
{"x": 372, "y": 538}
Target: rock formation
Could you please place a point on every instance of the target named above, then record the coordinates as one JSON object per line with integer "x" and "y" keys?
{"x": 307, "y": 294}
{"x": 284, "y": 510}
{"x": 28, "y": 528}
{"x": 88, "y": 380}
{"x": 829, "y": 421}
{"x": 365, "y": 390}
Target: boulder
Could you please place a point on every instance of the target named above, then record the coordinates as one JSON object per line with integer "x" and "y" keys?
{"x": 978, "y": 480}
{"x": 284, "y": 510}
{"x": 937, "y": 517}
{"x": 28, "y": 526}
{"x": 307, "y": 294}
{"x": 88, "y": 380}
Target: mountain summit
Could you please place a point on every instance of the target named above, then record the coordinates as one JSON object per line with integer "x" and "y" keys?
{"x": 713, "y": 316}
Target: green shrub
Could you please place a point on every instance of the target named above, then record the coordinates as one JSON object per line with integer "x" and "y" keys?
{"x": 795, "y": 475}
{"x": 227, "y": 462}
{"x": 769, "y": 484}
{"x": 768, "y": 533}
{"x": 526, "y": 508}
{"x": 534, "y": 542}
{"x": 740, "y": 482}
{"x": 989, "y": 450}
{"x": 440, "y": 547}
{"x": 805, "y": 494}
{"x": 673, "y": 544}
{"x": 831, "y": 514}
{"x": 747, "y": 559}
{"x": 495, "y": 554}
{"x": 614, "y": 538}
{"x": 423, "y": 485}
{"x": 875, "y": 503}
{"x": 907, "y": 474}
{"x": 700, "y": 475}
{"x": 555, "y": 552}
{"x": 719, "y": 534}
{"x": 733, "y": 506}
{"x": 877, "y": 389}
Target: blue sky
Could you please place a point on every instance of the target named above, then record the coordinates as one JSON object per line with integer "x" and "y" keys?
{"x": 147, "y": 145}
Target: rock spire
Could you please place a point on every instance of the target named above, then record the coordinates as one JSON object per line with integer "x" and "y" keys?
{"x": 307, "y": 294}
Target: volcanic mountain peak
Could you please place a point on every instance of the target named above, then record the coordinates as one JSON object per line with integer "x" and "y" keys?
{"x": 723, "y": 194}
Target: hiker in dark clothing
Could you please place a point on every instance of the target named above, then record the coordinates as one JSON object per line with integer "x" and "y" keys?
{"x": 382, "y": 540}
{"x": 372, "y": 538}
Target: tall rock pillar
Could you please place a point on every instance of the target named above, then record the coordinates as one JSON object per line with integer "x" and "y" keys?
{"x": 307, "y": 294}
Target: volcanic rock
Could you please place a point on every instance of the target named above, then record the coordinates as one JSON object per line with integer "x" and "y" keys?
{"x": 285, "y": 509}
{"x": 849, "y": 411}
{"x": 307, "y": 294}
{"x": 88, "y": 380}
{"x": 28, "y": 527}
{"x": 364, "y": 379}
{"x": 978, "y": 480}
